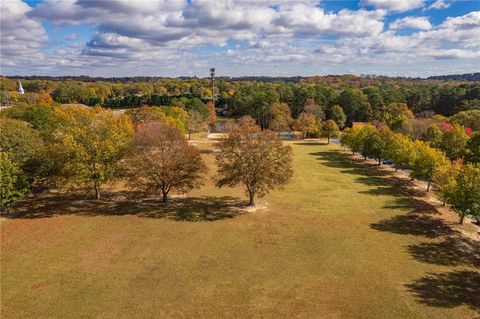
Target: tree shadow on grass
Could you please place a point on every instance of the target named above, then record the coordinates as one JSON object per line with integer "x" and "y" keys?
{"x": 448, "y": 290}
{"x": 334, "y": 158}
{"x": 453, "y": 251}
{"x": 413, "y": 224}
{"x": 314, "y": 143}
{"x": 414, "y": 206}
{"x": 131, "y": 203}
{"x": 369, "y": 174}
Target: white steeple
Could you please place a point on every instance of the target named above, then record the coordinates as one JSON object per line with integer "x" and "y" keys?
{"x": 20, "y": 88}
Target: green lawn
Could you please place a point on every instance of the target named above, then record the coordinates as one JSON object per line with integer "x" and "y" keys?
{"x": 337, "y": 242}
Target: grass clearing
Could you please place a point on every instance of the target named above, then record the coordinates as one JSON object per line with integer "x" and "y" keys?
{"x": 338, "y": 242}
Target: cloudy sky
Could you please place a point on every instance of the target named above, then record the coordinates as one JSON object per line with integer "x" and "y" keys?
{"x": 264, "y": 37}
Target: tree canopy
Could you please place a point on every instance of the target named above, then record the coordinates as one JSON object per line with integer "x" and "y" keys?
{"x": 161, "y": 160}
{"x": 255, "y": 159}
{"x": 87, "y": 145}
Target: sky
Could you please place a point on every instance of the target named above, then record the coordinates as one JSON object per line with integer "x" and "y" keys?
{"x": 114, "y": 38}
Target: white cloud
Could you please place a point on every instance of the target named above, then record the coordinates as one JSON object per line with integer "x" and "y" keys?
{"x": 443, "y": 41}
{"x": 439, "y": 4}
{"x": 420, "y": 23}
{"x": 394, "y": 5}
{"x": 271, "y": 36}
{"x": 468, "y": 21}
{"x": 305, "y": 20}
{"x": 21, "y": 37}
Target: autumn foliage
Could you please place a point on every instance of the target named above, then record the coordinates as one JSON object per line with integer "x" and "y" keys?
{"x": 161, "y": 160}
{"x": 256, "y": 159}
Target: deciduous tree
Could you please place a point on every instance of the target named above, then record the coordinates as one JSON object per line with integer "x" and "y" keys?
{"x": 396, "y": 114}
{"x": 347, "y": 138}
{"x": 426, "y": 161}
{"x": 360, "y": 139}
{"x": 145, "y": 114}
{"x": 375, "y": 145}
{"x": 196, "y": 122}
{"x": 433, "y": 135}
{"x": 25, "y": 147}
{"x": 87, "y": 145}
{"x": 307, "y": 124}
{"x": 329, "y": 129}
{"x": 13, "y": 185}
{"x": 337, "y": 115}
{"x": 444, "y": 179}
{"x": 212, "y": 114}
{"x": 454, "y": 142}
{"x": 281, "y": 117}
{"x": 400, "y": 150}
{"x": 161, "y": 160}
{"x": 311, "y": 107}
{"x": 258, "y": 160}
{"x": 469, "y": 118}
{"x": 465, "y": 197}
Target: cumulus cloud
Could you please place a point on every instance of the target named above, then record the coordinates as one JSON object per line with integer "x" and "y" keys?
{"x": 420, "y": 23}
{"x": 394, "y": 5}
{"x": 439, "y": 4}
{"x": 459, "y": 32}
{"x": 65, "y": 12}
{"x": 21, "y": 36}
{"x": 304, "y": 20}
{"x": 161, "y": 35}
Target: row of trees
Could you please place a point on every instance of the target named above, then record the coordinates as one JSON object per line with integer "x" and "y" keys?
{"x": 86, "y": 147}
{"x": 457, "y": 184}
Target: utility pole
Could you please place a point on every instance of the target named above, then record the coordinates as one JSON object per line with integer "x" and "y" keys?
{"x": 212, "y": 77}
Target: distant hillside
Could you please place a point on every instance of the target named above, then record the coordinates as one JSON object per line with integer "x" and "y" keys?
{"x": 457, "y": 77}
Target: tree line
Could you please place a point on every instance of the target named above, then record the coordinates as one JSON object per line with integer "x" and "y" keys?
{"x": 361, "y": 98}
{"x": 445, "y": 155}
{"x": 81, "y": 147}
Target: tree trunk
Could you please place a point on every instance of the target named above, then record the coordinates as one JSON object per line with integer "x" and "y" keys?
{"x": 164, "y": 196}
{"x": 328, "y": 140}
{"x": 428, "y": 185}
{"x": 251, "y": 203}
{"x": 189, "y": 135}
{"x": 97, "y": 191}
{"x": 462, "y": 217}
{"x": 379, "y": 161}
{"x": 444, "y": 201}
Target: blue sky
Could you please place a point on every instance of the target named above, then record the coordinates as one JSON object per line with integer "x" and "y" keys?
{"x": 279, "y": 38}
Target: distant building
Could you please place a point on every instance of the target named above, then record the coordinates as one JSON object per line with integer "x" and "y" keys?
{"x": 21, "y": 91}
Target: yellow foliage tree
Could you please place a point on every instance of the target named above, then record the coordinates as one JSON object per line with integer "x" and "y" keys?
{"x": 87, "y": 144}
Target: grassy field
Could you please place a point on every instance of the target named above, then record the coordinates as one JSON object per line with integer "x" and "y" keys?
{"x": 338, "y": 242}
